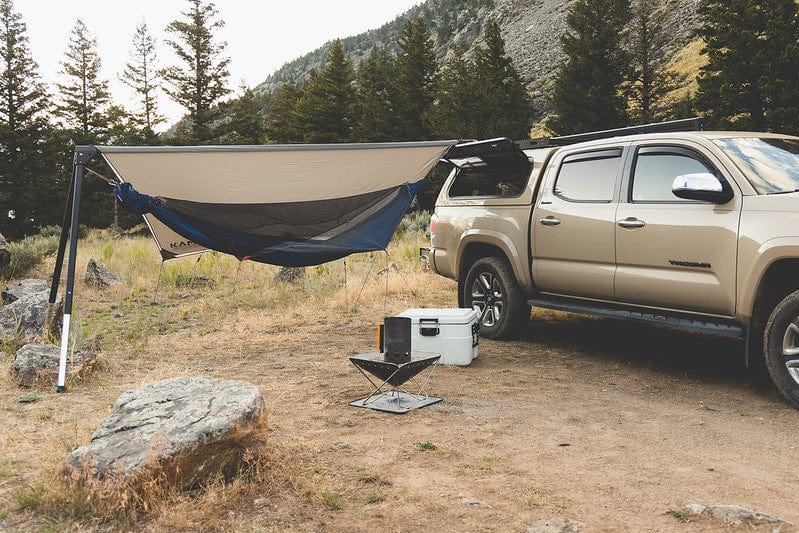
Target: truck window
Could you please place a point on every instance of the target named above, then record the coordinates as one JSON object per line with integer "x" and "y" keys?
{"x": 488, "y": 180}
{"x": 589, "y": 176}
{"x": 655, "y": 170}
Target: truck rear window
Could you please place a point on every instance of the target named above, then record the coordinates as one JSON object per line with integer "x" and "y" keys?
{"x": 488, "y": 180}
{"x": 589, "y": 176}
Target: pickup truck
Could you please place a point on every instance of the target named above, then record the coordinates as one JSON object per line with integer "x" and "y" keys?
{"x": 694, "y": 230}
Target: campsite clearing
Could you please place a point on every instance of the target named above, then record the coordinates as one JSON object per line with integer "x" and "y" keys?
{"x": 604, "y": 423}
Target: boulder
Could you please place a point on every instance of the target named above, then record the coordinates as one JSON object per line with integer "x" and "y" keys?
{"x": 38, "y": 363}
{"x": 26, "y": 314}
{"x": 98, "y": 275}
{"x": 180, "y": 430}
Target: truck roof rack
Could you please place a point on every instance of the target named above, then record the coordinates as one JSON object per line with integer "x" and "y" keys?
{"x": 686, "y": 124}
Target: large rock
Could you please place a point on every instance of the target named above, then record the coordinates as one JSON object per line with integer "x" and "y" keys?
{"x": 26, "y": 311}
{"x": 181, "y": 430}
{"x": 99, "y": 275}
{"x": 38, "y": 363}
{"x": 735, "y": 515}
{"x": 25, "y": 288}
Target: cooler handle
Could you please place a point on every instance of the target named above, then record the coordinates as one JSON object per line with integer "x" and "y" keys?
{"x": 428, "y": 327}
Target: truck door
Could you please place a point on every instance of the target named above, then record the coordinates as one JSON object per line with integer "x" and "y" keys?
{"x": 670, "y": 252}
{"x": 573, "y": 225}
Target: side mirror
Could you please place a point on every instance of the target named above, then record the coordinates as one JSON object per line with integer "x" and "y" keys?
{"x": 702, "y": 186}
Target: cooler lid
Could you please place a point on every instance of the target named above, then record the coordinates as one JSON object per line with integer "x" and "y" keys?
{"x": 444, "y": 316}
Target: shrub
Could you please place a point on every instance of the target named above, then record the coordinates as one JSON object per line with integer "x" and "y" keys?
{"x": 28, "y": 253}
{"x": 413, "y": 222}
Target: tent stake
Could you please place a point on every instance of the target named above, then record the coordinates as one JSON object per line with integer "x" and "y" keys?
{"x": 83, "y": 154}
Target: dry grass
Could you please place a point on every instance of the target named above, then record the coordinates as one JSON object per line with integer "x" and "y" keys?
{"x": 150, "y": 330}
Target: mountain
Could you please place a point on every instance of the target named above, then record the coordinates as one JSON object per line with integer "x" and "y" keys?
{"x": 531, "y": 30}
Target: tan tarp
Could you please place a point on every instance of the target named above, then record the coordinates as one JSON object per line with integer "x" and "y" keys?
{"x": 266, "y": 174}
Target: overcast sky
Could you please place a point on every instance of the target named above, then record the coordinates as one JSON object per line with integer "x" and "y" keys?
{"x": 262, "y": 35}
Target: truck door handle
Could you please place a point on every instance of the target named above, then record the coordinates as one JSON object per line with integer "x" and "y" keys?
{"x": 549, "y": 221}
{"x": 631, "y": 222}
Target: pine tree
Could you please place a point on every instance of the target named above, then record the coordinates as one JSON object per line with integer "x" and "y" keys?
{"x": 141, "y": 75}
{"x": 84, "y": 94}
{"x": 454, "y": 114}
{"x": 651, "y": 80}
{"x": 202, "y": 79}
{"x": 751, "y": 80}
{"x": 414, "y": 84}
{"x": 281, "y": 117}
{"x": 23, "y": 128}
{"x": 504, "y": 104}
{"x": 245, "y": 122}
{"x": 325, "y": 112}
{"x": 374, "y": 111}
{"x": 588, "y": 87}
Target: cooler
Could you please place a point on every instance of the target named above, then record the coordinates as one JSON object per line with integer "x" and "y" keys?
{"x": 453, "y": 333}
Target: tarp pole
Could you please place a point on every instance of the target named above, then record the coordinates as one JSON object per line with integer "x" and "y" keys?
{"x": 62, "y": 247}
{"x": 83, "y": 154}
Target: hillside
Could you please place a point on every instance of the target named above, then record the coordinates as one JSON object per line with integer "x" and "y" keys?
{"x": 531, "y": 29}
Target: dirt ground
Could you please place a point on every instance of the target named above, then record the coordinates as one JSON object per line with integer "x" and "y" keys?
{"x": 602, "y": 423}
{"x": 611, "y": 425}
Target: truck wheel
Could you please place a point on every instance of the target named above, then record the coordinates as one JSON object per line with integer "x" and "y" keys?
{"x": 781, "y": 347}
{"x": 491, "y": 288}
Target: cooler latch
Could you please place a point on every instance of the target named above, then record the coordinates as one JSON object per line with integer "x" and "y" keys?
{"x": 428, "y": 327}
{"x": 475, "y": 334}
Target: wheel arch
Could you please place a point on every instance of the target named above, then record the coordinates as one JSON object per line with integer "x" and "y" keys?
{"x": 481, "y": 243}
{"x": 778, "y": 280}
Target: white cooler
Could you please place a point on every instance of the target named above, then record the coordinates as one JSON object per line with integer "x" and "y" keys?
{"x": 453, "y": 333}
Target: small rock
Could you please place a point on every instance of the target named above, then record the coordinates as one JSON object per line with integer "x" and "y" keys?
{"x": 472, "y": 502}
{"x": 555, "y": 526}
{"x": 98, "y": 275}
{"x": 259, "y": 502}
{"x": 289, "y": 274}
{"x": 194, "y": 281}
{"x": 733, "y": 514}
{"x": 38, "y": 363}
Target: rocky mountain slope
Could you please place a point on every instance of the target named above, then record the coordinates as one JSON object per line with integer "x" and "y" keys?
{"x": 531, "y": 29}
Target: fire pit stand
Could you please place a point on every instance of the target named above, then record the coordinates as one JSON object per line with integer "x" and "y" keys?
{"x": 388, "y": 394}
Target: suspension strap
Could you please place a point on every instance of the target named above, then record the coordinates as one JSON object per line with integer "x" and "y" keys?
{"x": 109, "y": 181}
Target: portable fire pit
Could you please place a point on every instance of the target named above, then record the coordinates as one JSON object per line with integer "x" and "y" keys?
{"x": 393, "y": 368}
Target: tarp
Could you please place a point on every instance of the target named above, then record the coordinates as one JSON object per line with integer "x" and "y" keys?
{"x": 289, "y": 205}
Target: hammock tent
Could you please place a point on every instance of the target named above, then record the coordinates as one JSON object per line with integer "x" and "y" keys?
{"x": 289, "y": 205}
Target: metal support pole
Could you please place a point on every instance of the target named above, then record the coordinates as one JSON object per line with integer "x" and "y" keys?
{"x": 82, "y": 155}
{"x": 62, "y": 246}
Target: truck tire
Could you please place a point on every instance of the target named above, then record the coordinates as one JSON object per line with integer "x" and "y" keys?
{"x": 781, "y": 347}
{"x": 491, "y": 288}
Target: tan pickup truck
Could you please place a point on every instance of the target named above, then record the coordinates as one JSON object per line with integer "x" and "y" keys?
{"x": 690, "y": 229}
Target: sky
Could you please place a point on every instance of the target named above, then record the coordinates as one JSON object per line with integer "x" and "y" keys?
{"x": 261, "y": 35}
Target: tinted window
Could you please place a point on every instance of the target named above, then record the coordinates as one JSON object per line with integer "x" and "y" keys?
{"x": 489, "y": 180}
{"x": 589, "y": 177}
{"x": 655, "y": 172}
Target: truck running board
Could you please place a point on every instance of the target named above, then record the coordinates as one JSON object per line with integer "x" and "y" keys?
{"x": 686, "y": 323}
